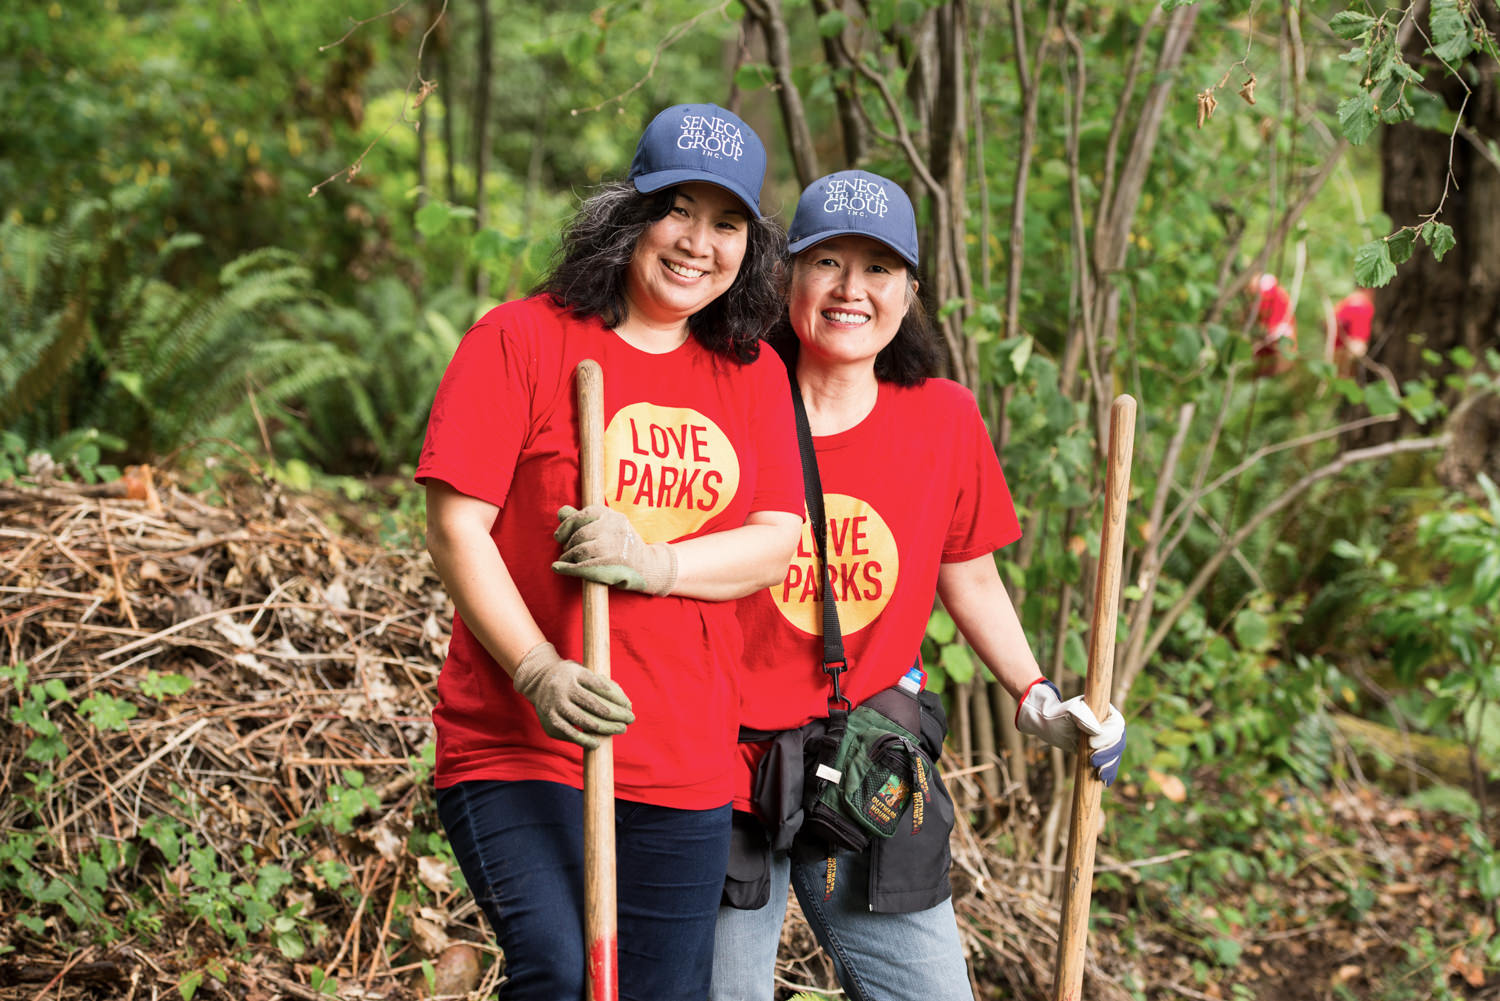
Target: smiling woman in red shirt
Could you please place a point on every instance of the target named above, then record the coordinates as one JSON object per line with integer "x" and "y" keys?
{"x": 666, "y": 280}
{"x": 915, "y": 504}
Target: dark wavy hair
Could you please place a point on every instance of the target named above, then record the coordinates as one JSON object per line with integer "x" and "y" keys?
{"x": 914, "y": 354}
{"x": 589, "y": 270}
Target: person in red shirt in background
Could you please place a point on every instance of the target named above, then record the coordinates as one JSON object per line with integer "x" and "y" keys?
{"x": 1275, "y": 323}
{"x": 1352, "y": 318}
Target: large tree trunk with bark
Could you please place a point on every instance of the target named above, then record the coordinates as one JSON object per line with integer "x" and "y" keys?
{"x": 1438, "y": 306}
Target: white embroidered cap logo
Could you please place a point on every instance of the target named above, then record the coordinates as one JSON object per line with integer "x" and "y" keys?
{"x": 712, "y": 135}
{"x": 856, "y": 196}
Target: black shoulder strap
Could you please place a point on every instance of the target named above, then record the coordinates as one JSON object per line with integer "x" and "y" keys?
{"x": 834, "y": 661}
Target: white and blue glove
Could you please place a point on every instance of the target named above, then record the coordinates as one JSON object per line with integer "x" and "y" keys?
{"x": 1043, "y": 713}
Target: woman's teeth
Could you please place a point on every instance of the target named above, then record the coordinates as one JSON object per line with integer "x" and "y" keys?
{"x": 684, "y": 270}
{"x": 838, "y": 317}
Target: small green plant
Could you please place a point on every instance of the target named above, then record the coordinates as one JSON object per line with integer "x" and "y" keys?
{"x": 188, "y": 985}
{"x": 342, "y": 804}
{"x": 32, "y": 711}
{"x": 321, "y": 982}
{"x": 1482, "y": 863}
{"x": 164, "y": 686}
{"x": 107, "y": 712}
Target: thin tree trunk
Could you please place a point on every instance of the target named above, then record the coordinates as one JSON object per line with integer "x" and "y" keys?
{"x": 1028, "y": 77}
{"x": 533, "y": 185}
{"x": 422, "y": 178}
{"x": 986, "y": 748}
{"x": 768, "y": 15}
{"x": 1116, "y": 219}
{"x": 482, "y": 88}
{"x": 450, "y": 107}
{"x": 962, "y": 730}
{"x": 950, "y": 131}
{"x": 856, "y": 137}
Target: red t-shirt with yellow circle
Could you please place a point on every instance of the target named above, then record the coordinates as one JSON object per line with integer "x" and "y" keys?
{"x": 914, "y": 485}
{"x": 693, "y": 444}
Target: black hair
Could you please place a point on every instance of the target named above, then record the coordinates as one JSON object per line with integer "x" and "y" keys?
{"x": 913, "y": 356}
{"x": 590, "y": 267}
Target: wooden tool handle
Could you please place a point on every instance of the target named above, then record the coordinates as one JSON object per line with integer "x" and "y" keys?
{"x": 1073, "y": 933}
{"x": 600, "y": 925}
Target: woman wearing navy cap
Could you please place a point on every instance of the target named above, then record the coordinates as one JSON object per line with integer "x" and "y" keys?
{"x": 665, "y": 280}
{"x": 915, "y": 503}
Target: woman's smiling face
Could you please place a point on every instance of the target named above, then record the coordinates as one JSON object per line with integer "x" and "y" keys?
{"x": 849, "y": 296}
{"x": 689, "y": 257}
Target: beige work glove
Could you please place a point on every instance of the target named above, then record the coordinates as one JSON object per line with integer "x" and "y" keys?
{"x": 572, "y": 702}
{"x": 601, "y": 545}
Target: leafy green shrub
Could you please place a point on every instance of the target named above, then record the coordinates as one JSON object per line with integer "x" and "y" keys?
{"x": 1441, "y": 622}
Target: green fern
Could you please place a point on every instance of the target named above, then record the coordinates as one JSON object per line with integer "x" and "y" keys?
{"x": 46, "y": 325}
{"x": 93, "y": 337}
{"x": 373, "y": 417}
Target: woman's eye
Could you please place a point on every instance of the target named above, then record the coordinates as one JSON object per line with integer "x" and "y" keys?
{"x": 880, "y": 269}
{"x": 679, "y": 210}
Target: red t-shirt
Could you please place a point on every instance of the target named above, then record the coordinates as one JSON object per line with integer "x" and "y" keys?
{"x": 913, "y": 485}
{"x": 1274, "y": 313}
{"x": 1353, "y": 317}
{"x": 693, "y": 444}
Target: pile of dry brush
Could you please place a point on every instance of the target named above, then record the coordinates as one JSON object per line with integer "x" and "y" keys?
{"x": 312, "y": 654}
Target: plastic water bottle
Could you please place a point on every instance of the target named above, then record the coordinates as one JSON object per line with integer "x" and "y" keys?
{"x": 913, "y": 681}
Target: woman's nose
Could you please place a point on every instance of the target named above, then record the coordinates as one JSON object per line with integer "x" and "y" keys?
{"x": 848, "y": 286}
{"x": 694, "y": 238}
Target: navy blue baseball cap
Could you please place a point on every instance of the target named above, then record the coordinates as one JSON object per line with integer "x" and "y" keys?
{"x": 855, "y": 203}
{"x": 700, "y": 142}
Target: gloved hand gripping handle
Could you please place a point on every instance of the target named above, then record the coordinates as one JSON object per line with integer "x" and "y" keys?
{"x": 600, "y": 920}
{"x": 1079, "y": 871}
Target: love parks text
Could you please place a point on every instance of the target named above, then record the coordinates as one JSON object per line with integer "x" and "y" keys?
{"x": 666, "y": 467}
{"x": 852, "y": 574}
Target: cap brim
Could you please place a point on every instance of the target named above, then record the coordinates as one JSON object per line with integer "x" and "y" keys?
{"x": 798, "y": 246}
{"x": 648, "y": 183}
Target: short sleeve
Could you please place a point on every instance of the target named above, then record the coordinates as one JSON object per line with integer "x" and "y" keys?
{"x": 481, "y": 415}
{"x": 984, "y": 516}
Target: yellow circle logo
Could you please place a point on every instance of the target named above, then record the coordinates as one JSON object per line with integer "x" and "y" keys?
{"x": 863, "y": 567}
{"x": 670, "y": 469}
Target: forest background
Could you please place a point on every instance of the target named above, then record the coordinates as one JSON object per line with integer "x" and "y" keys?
{"x": 240, "y": 241}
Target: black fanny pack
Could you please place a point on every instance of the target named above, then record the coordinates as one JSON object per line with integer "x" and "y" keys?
{"x": 909, "y": 869}
{"x": 865, "y": 770}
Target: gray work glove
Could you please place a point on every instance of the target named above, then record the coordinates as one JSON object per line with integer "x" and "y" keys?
{"x": 601, "y": 545}
{"x": 572, "y": 702}
{"x": 1043, "y": 713}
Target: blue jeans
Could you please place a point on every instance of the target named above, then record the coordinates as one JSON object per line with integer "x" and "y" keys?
{"x": 878, "y": 957}
{"x": 520, "y": 846}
